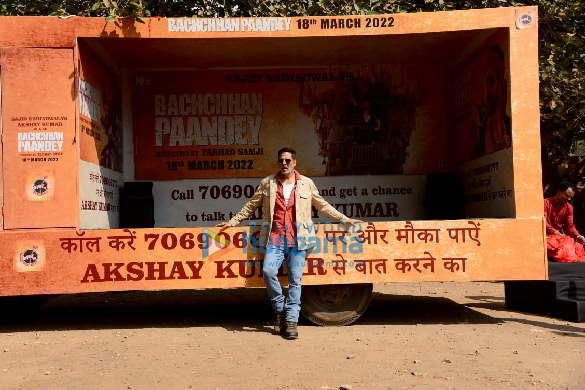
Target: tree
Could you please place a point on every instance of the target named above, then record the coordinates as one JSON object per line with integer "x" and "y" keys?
{"x": 561, "y": 42}
{"x": 562, "y": 76}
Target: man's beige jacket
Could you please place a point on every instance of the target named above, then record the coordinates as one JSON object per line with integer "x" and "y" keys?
{"x": 306, "y": 195}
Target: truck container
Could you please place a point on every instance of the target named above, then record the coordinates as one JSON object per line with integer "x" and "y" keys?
{"x": 124, "y": 144}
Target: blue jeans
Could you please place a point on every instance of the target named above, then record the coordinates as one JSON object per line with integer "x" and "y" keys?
{"x": 274, "y": 257}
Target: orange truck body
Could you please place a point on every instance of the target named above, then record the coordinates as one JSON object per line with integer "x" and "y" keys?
{"x": 425, "y": 126}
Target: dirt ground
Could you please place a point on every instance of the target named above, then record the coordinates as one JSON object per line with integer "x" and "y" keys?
{"x": 413, "y": 336}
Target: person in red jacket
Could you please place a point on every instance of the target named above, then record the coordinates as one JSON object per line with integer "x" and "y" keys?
{"x": 559, "y": 215}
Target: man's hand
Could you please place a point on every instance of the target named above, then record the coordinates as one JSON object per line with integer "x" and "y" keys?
{"x": 354, "y": 221}
{"x": 223, "y": 225}
{"x": 558, "y": 233}
{"x": 580, "y": 239}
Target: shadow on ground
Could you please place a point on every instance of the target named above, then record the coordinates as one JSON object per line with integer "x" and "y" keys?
{"x": 233, "y": 309}
{"x": 412, "y": 309}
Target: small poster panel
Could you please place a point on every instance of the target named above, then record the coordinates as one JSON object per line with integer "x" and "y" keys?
{"x": 184, "y": 203}
{"x": 99, "y": 196}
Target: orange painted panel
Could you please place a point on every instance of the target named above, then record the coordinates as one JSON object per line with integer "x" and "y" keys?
{"x": 56, "y": 32}
{"x": 150, "y": 259}
{"x": 1, "y": 182}
{"x": 39, "y": 149}
{"x": 525, "y": 113}
{"x": 36, "y": 31}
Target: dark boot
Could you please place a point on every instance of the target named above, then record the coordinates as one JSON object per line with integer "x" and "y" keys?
{"x": 279, "y": 323}
{"x": 290, "y": 331}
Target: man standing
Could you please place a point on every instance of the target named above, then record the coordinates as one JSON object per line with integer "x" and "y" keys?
{"x": 559, "y": 217}
{"x": 286, "y": 198}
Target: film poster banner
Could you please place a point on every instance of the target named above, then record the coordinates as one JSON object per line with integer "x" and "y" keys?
{"x": 342, "y": 121}
{"x": 142, "y": 259}
{"x": 100, "y": 119}
{"x": 99, "y": 196}
{"x": 100, "y": 171}
{"x": 480, "y": 102}
{"x": 38, "y": 138}
{"x": 481, "y": 150}
{"x": 185, "y": 203}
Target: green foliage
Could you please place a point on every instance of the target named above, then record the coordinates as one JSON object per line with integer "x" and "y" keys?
{"x": 111, "y": 9}
{"x": 561, "y": 42}
{"x": 562, "y": 76}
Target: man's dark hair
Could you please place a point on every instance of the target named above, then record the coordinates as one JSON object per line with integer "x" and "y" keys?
{"x": 286, "y": 149}
{"x": 564, "y": 186}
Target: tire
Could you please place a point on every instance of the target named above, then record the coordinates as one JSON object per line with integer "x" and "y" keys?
{"x": 335, "y": 304}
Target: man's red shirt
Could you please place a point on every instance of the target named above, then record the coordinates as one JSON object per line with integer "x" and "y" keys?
{"x": 559, "y": 218}
{"x": 284, "y": 218}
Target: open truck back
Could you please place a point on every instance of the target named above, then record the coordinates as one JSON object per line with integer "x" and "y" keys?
{"x": 123, "y": 144}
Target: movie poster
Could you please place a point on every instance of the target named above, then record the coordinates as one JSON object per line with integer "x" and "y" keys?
{"x": 368, "y": 120}
{"x": 100, "y": 129}
{"x": 481, "y": 147}
{"x": 100, "y": 112}
{"x": 480, "y": 102}
{"x": 38, "y": 138}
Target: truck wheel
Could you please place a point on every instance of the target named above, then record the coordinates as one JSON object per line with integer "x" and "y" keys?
{"x": 335, "y": 304}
